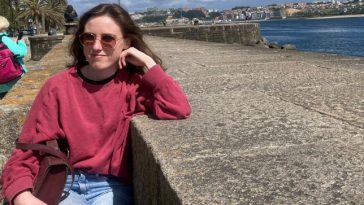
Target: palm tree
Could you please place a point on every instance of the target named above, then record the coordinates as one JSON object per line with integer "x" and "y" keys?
{"x": 55, "y": 12}
{"x": 7, "y": 8}
{"x": 49, "y": 12}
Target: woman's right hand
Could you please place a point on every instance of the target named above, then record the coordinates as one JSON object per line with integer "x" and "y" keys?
{"x": 137, "y": 58}
{"x": 27, "y": 198}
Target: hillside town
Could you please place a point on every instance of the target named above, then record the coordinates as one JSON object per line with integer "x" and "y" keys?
{"x": 201, "y": 15}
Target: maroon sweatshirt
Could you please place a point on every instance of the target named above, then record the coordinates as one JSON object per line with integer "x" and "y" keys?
{"x": 94, "y": 117}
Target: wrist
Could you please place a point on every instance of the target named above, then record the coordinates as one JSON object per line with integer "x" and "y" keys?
{"x": 150, "y": 63}
{"x": 22, "y": 196}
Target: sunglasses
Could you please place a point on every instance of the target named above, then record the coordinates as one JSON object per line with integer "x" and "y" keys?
{"x": 107, "y": 40}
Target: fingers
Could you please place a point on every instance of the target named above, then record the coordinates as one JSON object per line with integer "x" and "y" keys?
{"x": 122, "y": 61}
{"x": 120, "y": 64}
{"x": 135, "y": 57}
{"x": 132, "y": 55}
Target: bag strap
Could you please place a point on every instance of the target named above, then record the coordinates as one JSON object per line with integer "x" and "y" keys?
{"x": 50, "y": 148}
{"x": 2, "y": 45}
{"x": 44, "y": 148}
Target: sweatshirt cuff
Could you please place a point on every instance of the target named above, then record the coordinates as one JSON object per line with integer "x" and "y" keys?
{"x": 18, "y": 186}
{"x": 154, "y": 76}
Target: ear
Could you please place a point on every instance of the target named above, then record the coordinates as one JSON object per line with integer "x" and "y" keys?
{"x": 127, "y": 43}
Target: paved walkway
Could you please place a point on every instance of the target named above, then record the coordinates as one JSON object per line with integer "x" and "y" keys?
{"x": 25, "y": 90}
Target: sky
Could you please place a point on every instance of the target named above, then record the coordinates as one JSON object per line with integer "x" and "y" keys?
{"x": 141, "y": 5}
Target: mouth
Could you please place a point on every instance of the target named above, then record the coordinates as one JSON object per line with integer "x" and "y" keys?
{"x": 97, "y": 56}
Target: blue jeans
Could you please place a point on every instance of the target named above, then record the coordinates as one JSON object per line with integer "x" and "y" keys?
{"x": 94, "y": 189}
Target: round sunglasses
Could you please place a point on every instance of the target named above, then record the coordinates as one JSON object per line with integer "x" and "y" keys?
{"x": 107, "y": 40}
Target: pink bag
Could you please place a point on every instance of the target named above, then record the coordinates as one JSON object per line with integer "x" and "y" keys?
{"x": 10, "y": 69}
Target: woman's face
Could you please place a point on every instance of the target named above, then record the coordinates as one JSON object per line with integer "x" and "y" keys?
{"x": 103, "y": 53}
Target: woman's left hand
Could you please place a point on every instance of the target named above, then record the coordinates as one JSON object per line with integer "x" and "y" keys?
{"x": 137, "y": 58}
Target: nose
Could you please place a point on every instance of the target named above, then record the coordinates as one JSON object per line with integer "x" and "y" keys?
{"x": 97, "y": 44}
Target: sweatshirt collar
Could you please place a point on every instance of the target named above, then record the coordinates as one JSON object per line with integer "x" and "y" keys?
{"x": 96, "y": 82}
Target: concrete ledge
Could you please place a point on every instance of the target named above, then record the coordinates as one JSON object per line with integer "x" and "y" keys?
{"x": 150, "y": 183}
{"x": 244, "y": 34}
{"x": 41, "y": 45}
{"x": 268, "y": 127}
{"x": 70, "y": 28}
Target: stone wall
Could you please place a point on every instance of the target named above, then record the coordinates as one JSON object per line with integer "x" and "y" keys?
{"x": 244, "y": 34}
{"x": 150, "y": 184}
{"x": 41, "y": 45}
{"x": 267, "y": 127}
{"x": 70, "y": 28}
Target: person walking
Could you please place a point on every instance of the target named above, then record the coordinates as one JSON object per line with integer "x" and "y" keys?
{"x": 114, "y": 76}
{"x": 18, "y": 48}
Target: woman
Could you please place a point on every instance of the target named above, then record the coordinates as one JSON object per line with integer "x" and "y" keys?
{"x": 114, "y": 76}
{"x": 19, "y": 49}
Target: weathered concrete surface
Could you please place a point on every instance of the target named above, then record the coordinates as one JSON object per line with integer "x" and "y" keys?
{"x": 268, "y": 127}
{"x": 41, "y": 45}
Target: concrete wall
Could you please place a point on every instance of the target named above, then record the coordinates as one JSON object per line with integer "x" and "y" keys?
{"x": 244, "y": 34}
{"x": 41, "y": 45}
{"x": 11, "y": 122}
{"x": 267, "y": 127}
{"x": 150, "y": 184}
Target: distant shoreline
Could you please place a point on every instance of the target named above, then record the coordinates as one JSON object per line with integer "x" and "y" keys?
{"x": 334, "y": 17}
{"x": 297, "y": 18}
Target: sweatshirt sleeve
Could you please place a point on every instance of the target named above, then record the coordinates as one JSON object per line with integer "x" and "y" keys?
{"x": 41, "y": 125}
{"x": 162, "y": 95}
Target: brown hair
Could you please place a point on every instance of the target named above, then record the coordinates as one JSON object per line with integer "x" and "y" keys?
{"x": 130, "y": 31}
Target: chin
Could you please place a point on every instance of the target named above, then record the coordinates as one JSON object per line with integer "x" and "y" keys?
{"x": 100, "y": 65}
